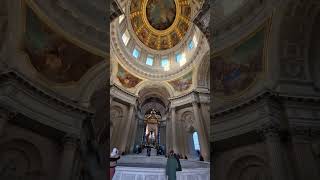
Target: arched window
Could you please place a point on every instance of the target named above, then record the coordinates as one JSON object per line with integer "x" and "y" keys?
{"x": 196, "y": 141}
{"x": 149, "y": 60}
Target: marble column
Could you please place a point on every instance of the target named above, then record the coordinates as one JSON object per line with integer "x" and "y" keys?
{"x": 180, "y": 137}
{"x": 126, "y": 129}
{"x": 163, "y": 135}
{"x": 167, "y": 135}
{"x": 111, "y": 120}
{"x": 203, "y": 139}
{"x": 275, "y": 150}
{"x": 206, "y": 117}
{"x": 173, "y": 126}
{"x": 134, "y": 134}
{"x": 70, "y": 145}
{"x": 4, "y": 117}
{"x": 305, "y": 160}
{"x": 183, "y": 138}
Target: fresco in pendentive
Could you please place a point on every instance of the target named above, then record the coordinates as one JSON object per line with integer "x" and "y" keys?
{"x": 126, "y": 79}
{"x": 183, "y": 83}
{"x": 52, "y": 55}
{"x": 161, "y": 13}
{"x": 235, "y": 69}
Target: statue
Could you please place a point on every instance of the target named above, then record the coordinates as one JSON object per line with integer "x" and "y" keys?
{"x": 152, "y": 121}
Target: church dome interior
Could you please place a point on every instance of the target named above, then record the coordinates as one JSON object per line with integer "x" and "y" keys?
{"x": 96, "y": 89}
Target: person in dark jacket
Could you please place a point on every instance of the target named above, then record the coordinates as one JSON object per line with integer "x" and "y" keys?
{"x": 172, "y": 165}
{"x": 178, "y": 161}
{"x": 201, "y": 158}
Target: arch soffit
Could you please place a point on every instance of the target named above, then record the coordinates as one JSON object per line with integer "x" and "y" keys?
{"x": 249, "y": 160}
{"x": 26, "y": 148}
{"x": 148, "y": 84}
{"x": 203, "y": 70}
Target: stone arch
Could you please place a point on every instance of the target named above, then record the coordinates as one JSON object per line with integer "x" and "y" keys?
{"x": 249, "y": 167}
{"x": 116, "y": 117}
{"x": 203, "y": 73}
{"x": 163, "y": 85}
{"x": 92, "y": 81}
{"x": 154, "y": 95}
{"x": 20, "y": 159}
{"x": 187, "y": 120}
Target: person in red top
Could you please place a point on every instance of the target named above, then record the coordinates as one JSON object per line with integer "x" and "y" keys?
{"x": 114, "y": 156}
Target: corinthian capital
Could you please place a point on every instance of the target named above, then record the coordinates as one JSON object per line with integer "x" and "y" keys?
{"x": 269, "y": 130}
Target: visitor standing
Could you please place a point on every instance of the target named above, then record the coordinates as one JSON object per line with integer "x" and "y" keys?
{"x": 114, "y": 156}
{"x": 178, "y": 161}
{"x": 172, "y": 165}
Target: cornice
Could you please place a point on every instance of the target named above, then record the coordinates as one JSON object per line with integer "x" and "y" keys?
{"x": 50, "y": 97}
{"x": 123, "y": 95}
{"x": 267, "y": 94}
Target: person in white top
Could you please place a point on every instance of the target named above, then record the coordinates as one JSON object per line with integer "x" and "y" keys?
{"x": 114, "y": 156}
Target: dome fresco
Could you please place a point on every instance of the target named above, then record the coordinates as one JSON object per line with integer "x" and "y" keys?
{"x": 158, "y": 40}
{"x": 160, "y": 24}
{"x": 161, "y": 13}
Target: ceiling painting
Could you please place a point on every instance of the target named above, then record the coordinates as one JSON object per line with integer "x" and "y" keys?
{"x": 161, "y": 13}
{"x": 126, "y": 79}
{"x": 160, "y": 24}
{"x": 53, "y": 56}
{"x": 237, "y": 68}
{"x": 183, "y": 83}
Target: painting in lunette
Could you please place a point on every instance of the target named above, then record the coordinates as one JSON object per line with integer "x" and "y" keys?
{"x": 57, "y": 59}
{"x": 237, "y": 68}
{"x": 183, "y": 83}
{"x": 126, "y": 79}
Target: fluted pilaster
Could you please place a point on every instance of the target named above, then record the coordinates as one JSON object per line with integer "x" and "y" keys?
{"x": 302, "y": 147}
{"x": 70, "y": 145}
{"x": 276, "y": 155}
{"x": 203, "y": 139}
